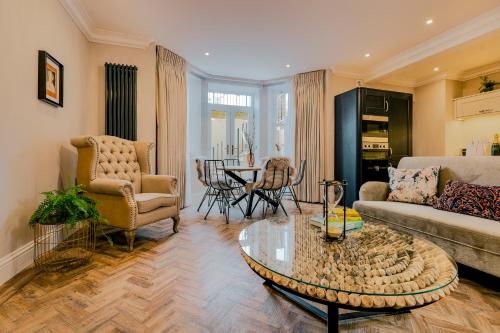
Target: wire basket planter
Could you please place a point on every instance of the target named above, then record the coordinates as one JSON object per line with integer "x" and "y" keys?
{"x": 62, "y": 247}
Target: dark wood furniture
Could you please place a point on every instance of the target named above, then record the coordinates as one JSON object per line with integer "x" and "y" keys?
{"x": 349, "y": 110}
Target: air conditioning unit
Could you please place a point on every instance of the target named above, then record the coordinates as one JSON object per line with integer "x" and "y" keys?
{"x": 477, "y": 105}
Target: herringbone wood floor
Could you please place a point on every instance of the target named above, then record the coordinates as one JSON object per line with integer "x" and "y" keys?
{"x": 196, "y": 281}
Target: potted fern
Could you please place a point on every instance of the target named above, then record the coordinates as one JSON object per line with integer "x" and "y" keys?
{"x": 65, "y": 229}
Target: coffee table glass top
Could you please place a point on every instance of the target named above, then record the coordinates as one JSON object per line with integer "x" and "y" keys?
{"x": 373, "y": 261}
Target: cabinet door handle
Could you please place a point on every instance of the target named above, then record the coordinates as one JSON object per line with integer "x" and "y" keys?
{"x": 386, "y": 103}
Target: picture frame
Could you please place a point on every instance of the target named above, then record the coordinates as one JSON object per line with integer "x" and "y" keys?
{"x": 50, "y": 79}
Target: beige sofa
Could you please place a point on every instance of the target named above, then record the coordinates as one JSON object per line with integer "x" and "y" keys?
{"x": 472, "y": 241}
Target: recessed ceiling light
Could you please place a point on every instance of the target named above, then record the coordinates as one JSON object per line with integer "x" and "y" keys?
{"x": 288, "y": 66}
{"x": 429, "y": 21}
{"x": 435, "y": 69}
{"x": 207, "y": 53}
{"x": 367, "y": 55}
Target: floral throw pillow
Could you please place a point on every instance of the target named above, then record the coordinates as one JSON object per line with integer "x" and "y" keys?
{"x": 470, "y": 199}
{"x": 417, "y": 186}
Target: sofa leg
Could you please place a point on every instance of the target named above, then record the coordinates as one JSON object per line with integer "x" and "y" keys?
{"x": 176, "y": 219}
{"x": 130, "y": 236}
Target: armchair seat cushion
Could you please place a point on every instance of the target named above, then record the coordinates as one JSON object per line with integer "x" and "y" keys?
{"x": 147, "y": 202}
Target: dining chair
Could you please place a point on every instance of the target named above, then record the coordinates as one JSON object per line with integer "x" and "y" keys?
{"x": 223, "y": 187}
{"x": 275, "y": 177}
{"x": 209, "y": 192}
{"x": 231, "y": 162}
{"x": 290, "y": 190}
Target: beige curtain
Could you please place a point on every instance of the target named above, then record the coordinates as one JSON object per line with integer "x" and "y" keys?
{"x": 309, "y": 89}
{"x": 171, "y": 117}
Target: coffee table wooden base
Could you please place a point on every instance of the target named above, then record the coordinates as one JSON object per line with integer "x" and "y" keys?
{"x": 332, "y": 316}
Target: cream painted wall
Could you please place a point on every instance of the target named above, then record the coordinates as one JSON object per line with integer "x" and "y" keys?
{"x": 429, "y": 119}
{"x": 471, "y": 87}
{"x": 435, "y": 131}
{"x": 36, "y": 155}
{"x": 461, "y": 133}
{"x": 194, "y": 189}
{"x": 145, "y": 60}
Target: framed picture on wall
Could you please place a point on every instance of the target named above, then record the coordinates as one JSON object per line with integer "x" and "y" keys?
{"x": 50, "y": 79}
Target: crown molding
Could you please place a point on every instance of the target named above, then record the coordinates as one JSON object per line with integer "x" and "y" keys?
{"x": 84, "y": 22}
{"x": 347, "y": 74}
{"x": 432, "y": 79}
{"x": 223, "y": 79}
{"x": 400, "y": 83}
{"x": 471, "y": 29}
{"x": 79, "y": 15}
{"x": 228, "y": 79}
{"x": 423, "y": 82}
{"x": 476, "y": 27}
{"x": 480, "y": 71}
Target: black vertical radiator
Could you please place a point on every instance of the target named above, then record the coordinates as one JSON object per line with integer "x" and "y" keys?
{"x": 121, "y": 101}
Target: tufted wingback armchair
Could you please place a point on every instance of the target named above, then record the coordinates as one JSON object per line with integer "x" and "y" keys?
{"x": 117, "y": 173}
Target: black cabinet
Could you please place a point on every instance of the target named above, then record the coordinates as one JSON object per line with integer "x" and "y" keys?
{"x": 348, "y": 142}
{"x": 400, "y": 123}
{"x": 354, "y": 164}
{"x": 374, "y": 102}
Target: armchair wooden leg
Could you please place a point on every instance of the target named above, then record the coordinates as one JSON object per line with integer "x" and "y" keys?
{"x": 176, "y": 219}
{"x": 130, "y": 236}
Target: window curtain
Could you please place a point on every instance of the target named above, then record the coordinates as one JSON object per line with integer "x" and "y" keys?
{"x": 171, "y": 117}
{"x": 309, "y": 91}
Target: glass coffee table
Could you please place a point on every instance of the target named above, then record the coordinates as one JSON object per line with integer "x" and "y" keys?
{"x": 374, "y": 271}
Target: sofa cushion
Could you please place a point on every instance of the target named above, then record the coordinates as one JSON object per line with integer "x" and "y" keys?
{"x": 464, "y": 229}
{"x": 414, "y": 185}
{"x": 470, "y": 199}
{"x": 481, "y": 170}
{"x": 147, "y": 202}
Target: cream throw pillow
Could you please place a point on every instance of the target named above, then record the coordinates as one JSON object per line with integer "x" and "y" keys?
{"x": 417, "y": 186}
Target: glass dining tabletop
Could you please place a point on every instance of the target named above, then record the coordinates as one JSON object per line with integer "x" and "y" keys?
{"x": 373, "y": 267}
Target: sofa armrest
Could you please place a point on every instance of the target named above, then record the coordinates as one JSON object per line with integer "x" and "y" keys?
{"x": 374, "y": 191}
{"x": 159, "y": 184}
{"x": 109, "y": 186}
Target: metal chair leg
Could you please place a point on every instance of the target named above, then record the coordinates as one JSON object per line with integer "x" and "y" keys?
{"x": 204, "y": 197}
{"x": 234, "y": 197}
{"x": 278, "y": 198}
{"x": 256, "y": 204}
{"x": 225, "y": 205}
{"x": 294, "y": 196}
{"x": 213, "y": 202}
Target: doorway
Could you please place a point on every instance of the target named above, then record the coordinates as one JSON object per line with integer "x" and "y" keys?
{"x": 231, "y": 116}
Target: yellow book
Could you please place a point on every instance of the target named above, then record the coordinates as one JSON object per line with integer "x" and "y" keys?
{"x": 349, "y": 212}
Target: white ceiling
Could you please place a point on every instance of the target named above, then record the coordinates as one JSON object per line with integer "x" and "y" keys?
{"x": 255, "y": 39}
{"x": 479, "y": 56}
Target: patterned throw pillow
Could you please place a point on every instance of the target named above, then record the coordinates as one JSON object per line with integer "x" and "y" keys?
{"x": 417, "y": 186}
{"x": 470, "y": 199}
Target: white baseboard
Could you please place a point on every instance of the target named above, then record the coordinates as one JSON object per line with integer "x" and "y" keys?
{"x": 16, "y": 261}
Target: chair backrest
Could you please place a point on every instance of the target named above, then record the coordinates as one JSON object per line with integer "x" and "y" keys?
{"x": 300, "y": 173}
{"x": 110, "y": 157}
{"x": 199, "y": 171}
{"x": 276, "y": 174}
{"x": 214, "y": 174}
{"x": 232, "y": 162}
